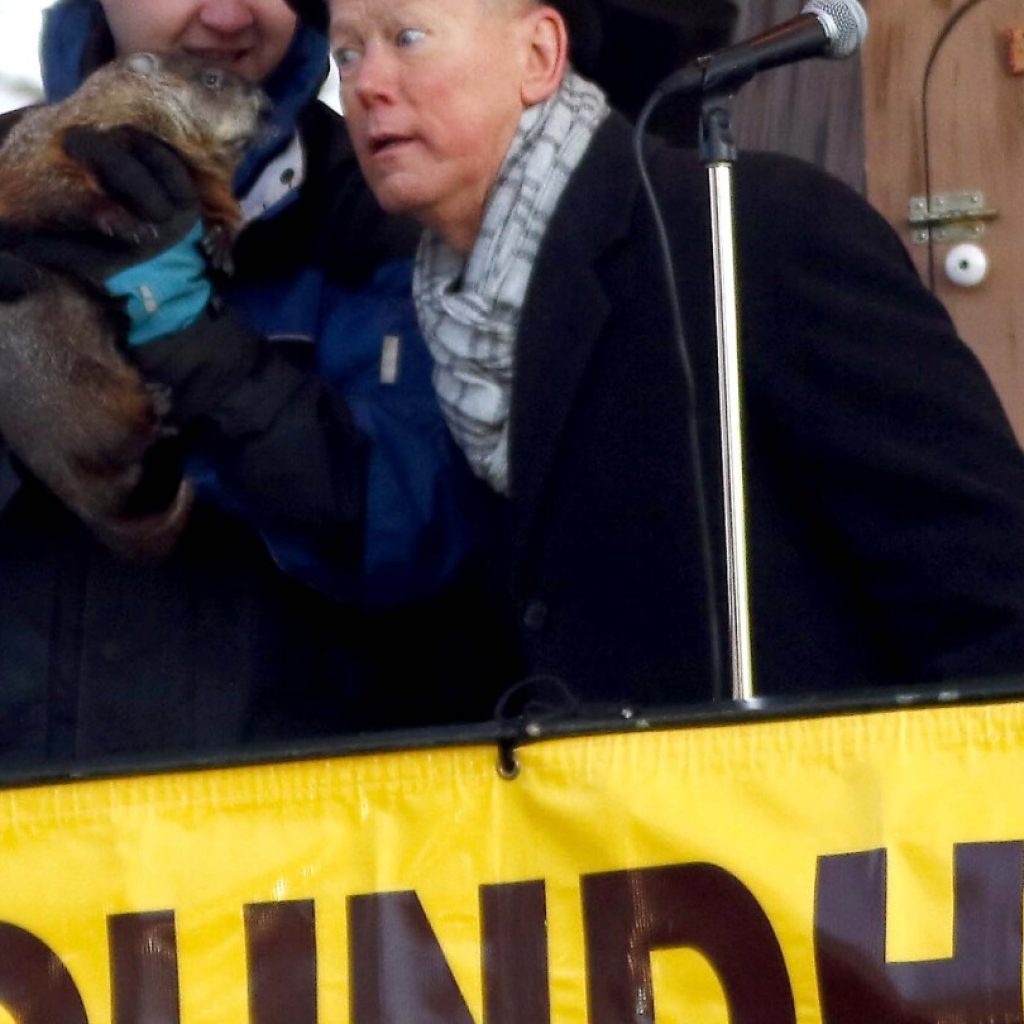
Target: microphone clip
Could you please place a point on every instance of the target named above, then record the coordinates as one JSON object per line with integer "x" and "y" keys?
{"x": 716, "y": 142}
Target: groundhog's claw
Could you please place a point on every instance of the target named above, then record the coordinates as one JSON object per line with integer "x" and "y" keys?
{"x": 117, "y": 223}
{"x": 217, "y": 244}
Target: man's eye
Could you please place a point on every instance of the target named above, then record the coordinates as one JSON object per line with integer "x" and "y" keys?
{"x": 345, "y": 58}
{"x": 408, "y": 36}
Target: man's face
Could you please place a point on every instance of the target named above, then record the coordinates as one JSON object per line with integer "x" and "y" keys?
{"x": 432, "y": 97}
{"x": 249, "y": 37}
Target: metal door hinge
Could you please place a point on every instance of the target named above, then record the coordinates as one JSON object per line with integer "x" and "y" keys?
{"x": 951, "y": 217}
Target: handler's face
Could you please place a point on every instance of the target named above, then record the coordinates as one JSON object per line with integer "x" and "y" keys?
{"x": 249, "y": 37}
{"x": 431, "y": 90}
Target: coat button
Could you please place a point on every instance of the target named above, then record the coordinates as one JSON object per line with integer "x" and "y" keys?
{"x": 535, "y": 615}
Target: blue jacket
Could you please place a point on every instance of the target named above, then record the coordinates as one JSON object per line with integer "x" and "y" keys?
{"x": 394, "y": 488}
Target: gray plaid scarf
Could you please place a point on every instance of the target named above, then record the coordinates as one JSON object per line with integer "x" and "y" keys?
{"x": 468, "y": 307}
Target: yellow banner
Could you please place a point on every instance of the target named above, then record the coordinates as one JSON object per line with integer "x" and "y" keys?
{"x": 865, "y": 868}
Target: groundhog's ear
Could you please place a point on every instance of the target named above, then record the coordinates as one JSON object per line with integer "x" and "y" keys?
{"x": 144, "y": 63}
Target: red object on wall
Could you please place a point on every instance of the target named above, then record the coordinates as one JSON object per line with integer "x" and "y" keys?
{"x": 1016, "y": 51}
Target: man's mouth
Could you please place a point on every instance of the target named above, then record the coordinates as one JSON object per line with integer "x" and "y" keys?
{"x": 385, "y": 142}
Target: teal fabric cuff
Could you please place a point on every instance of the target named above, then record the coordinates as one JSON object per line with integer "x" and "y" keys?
{"x": 164, "y": 294}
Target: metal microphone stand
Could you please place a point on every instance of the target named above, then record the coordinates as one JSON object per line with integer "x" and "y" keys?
{"x": 717, "y": 149}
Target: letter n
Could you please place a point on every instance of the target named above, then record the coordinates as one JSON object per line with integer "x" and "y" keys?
{"x": 627, "y": 914}
{"x": 143, "y": 968}
{"x": 281, "y": 944}
{"x": 981, "y": 981}
{"x": 399, "y": 974}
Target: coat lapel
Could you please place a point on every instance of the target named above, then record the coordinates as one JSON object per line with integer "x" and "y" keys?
{"x": 566, "y": 307}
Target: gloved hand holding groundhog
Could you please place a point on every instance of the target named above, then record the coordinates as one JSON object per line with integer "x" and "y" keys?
{"x": 105, "y": 247}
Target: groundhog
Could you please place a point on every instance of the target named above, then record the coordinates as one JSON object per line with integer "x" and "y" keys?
{"x": 72, "y": 407}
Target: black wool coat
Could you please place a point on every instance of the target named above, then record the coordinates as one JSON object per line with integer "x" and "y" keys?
{"x": 885, "y": 487}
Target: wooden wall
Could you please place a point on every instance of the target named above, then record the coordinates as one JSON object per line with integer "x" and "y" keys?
{"x": 955, "y": 54}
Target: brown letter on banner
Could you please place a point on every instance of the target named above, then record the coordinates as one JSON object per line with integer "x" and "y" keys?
{"x": 399, "y": 974}
{"x": 281, "y": 941}
{"x": 982, "y": 980}
{"x": 143, "y": 968}
{"x": 35, "y": 986}
{"x": 514, "y": 920}
{"x": 627, "y": 914}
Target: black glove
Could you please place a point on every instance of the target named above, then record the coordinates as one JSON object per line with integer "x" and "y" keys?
{"x": 139, "y": 171}
{"x": 148, "y": 181}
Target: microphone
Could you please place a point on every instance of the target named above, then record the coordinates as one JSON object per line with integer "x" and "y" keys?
{"x": 824, "y": 28}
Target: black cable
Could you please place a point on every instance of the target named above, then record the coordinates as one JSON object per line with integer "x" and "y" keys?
{"x": 932, "y": 57}
{"x": 693, "y": 425}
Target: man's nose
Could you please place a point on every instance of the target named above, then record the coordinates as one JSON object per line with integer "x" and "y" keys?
{"x": 374, "y": 76}
{"x": 226, "y": 15}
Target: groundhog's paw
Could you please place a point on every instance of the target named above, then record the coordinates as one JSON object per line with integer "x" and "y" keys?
{"x": 217, "y": 244}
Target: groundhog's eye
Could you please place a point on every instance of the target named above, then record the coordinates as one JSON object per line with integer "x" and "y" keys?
{"x": 213, "y": 79}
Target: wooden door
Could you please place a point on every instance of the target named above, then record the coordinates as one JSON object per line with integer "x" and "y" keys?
{"x": 944, "y": 117}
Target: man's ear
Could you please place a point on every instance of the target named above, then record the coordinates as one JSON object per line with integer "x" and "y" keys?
{"x": 547, "y": 48}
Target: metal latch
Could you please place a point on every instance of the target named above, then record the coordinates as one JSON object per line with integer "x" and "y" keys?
{"x": 952, "y": 217}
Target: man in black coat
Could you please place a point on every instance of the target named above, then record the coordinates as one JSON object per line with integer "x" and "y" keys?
{"x": 886, "y": 490}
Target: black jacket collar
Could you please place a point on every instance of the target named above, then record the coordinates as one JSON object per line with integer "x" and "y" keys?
{"x": 566, "y": 305}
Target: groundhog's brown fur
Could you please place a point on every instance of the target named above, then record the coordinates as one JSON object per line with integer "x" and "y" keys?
{"x": 72, "y": 408}
{"x": 79, "y": 416}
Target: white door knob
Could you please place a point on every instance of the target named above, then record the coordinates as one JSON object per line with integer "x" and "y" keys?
{"x": 966, "y": 265}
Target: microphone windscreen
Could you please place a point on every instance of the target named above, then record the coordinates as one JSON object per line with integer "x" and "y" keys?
{"x": 845, "y": 23}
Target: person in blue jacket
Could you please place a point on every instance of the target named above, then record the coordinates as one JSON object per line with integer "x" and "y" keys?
{"x": 323, "y": 583}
